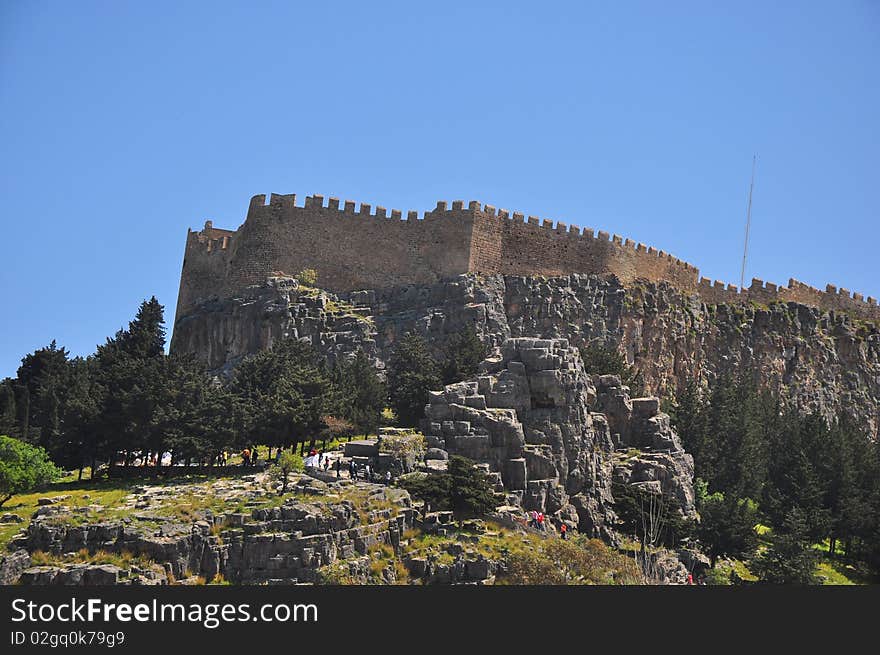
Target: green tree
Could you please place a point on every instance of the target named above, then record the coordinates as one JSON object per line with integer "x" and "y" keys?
{"x": 81, "y": 414}
{"x": 605, "y": 359}
{"x": 288, "y": 462}
{"x": 463, "y": 488}
{"x": 8, "y": 410}
{"x": 42, "y": 378}
{"x": 131, "y": 370}
{"x": 363, "y": 394}
{"x": 797, "y": 444}
{"x": 789, "y": 557}
{"x": 727, "y": 524}
{"x": 145, "y": 337}
{"x": 23, "y": 467}
{"x": 284, "y": 393}
{"x": 433, "y": 489}
{"x": 412, "y": 372}
{"x": 470, "y": 493}
{"x": 462, "y": 355}
{"x": 308, "y": 277}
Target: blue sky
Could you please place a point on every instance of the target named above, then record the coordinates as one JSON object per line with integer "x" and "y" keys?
{"x": 122, "y": 124}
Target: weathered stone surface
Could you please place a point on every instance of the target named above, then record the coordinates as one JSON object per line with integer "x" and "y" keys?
{"x": 436, "y": 453}
{"x": 362, "y": 448}
{"x": 12, "y": 565}
{"x": 87, "y": 575}
{"x": 543, "y": 432}
{"x": 287, "y": 543}
{"x": 816, "y": 359}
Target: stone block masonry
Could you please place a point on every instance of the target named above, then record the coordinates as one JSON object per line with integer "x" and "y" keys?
{"x": 358, "y": 247}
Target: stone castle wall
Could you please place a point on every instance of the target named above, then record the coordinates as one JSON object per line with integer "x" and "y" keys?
{"x": 356, "y": 248}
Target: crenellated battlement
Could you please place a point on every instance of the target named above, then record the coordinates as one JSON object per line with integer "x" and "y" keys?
{"x": 358, "y": 245}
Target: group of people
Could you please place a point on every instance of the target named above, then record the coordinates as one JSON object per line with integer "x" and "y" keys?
{"x": 538, "y": 521}
{"x": 249, "y": 456}
{"x": 366, "y": 472}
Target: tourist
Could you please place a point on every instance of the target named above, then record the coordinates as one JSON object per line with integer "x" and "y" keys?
{"x": 541, "y": 521}
{"x": 352, "y": 470}
{"x": 246, "y": 457}
{"x": 338, "y": 466}
{"x": 254, "y": 455}
{"x": 563, "y": 530}
{"x": 388, "y": 477}
{"x": 533, "y": 519}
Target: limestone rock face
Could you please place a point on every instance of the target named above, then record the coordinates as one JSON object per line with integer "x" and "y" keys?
{"x": 223, "y": 331}
{"x": 12, "y": 565}
{"x": 535, "y": 416}
{"x": 818, "y": 360}
{"x": 274, "y": 545}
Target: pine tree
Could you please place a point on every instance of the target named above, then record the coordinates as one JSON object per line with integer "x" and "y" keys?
{"x": 462, "y": 355}
{"x": 789, "y": 558}
{"x": 470, "y": 492}
{"x": 362, "y": 393}
{"x": 43, "y": 379}
{"x": 131, "y": 370}
{"x": 605, "y": 359}
{"x": 463, "y": 488}
{"x": 727, "y": 524}
{"x": 145, "y": 337}
{"x": 8, "y": 410}
{"x": 284, "y": 393}
{"x": 412, "y": 372}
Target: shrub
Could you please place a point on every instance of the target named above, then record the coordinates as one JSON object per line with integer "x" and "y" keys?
{"x": 403, "y": 446}
{"x": 23, "y": 467}
{"x": 574, "y": 562}
{"x": 287, "y": 463}
{"x": 308, "y": 277}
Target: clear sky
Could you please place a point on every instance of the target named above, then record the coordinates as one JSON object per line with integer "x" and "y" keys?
{"x": 122, "y": 124}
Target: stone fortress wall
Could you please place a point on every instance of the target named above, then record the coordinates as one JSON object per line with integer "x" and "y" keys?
{"x": 356, "y": 248}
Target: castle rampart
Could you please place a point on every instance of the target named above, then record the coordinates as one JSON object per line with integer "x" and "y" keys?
{"x": 358, "y": 247}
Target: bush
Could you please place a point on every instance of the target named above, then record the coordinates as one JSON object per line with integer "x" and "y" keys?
{"x": 463, "y": 488}
{"x": 287, "y": 463}
{"x": 573, "y": 562}
{"x": 403, "y": 446}
{"x": 336, "y": 428}
{"x": 23, "y": 467}
{"x": 308, "y": 277}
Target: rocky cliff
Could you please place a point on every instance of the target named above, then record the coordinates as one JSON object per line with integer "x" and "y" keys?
{"x": 551, "y": 435}
{"x": 819, "y": 360}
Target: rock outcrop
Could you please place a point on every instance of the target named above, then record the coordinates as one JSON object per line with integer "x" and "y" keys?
{"x": 548, "y": 433}
{"x": 275, "y": 545}
{"x": 818, "y": 360}
{"x": 223, "y": 331}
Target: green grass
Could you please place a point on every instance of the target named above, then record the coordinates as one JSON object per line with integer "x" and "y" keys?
{"x": 124, "y": 559}
{"x": 495, "y": 543}
{"x": 108, "y": 493}
{"x": 831, "y": 569}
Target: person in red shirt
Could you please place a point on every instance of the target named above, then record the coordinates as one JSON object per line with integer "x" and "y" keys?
{"x": 563, "y": 529}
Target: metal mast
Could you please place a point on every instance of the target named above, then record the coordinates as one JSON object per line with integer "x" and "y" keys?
{"x": 742, "y": 275}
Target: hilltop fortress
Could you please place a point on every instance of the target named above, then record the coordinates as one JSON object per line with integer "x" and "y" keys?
{"x": 361, "y": 248}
